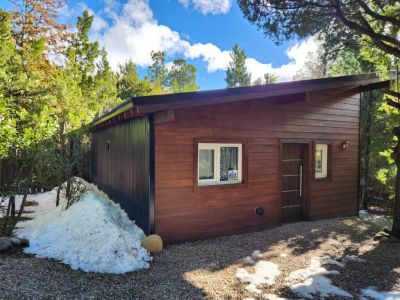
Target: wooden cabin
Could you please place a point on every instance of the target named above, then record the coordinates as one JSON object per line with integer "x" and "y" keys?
{"x": 204, "y": 164}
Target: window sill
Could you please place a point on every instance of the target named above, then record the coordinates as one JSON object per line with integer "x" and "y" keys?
{"x": 219, "y": 184}
{"x": 323, "y": 179}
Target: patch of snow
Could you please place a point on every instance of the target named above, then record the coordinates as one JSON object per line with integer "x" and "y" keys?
{"x": 363, "y": 213}
{"x": 330, "y": 261}
{"x": 248, "y": 260}
{"x": 94, "y": 234}
{"x": 353, "y": 258}
{"x": 44, "y": 200}
{"x": 274, "y": 297}
{"x": 372, "y": 293}
{"x": 265, "y": 274}
{"x": 256, "y": 254}
{"x": 311, "y": 280}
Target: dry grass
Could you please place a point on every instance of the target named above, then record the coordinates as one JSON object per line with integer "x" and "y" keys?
{"x": 206, "y": 269}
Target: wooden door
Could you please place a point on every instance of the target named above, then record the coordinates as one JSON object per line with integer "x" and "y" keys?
{"x": 293, "y": 164}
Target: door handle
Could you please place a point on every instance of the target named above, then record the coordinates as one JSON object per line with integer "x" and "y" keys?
{"x": 301, "y": 180}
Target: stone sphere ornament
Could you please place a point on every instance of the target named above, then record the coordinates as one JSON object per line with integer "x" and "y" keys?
{"x": 152, "y": 243}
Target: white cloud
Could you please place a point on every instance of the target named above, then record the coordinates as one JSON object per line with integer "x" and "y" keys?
{"x": 135, "y": 32}
{"x": 214, "y": 57}
{"x": 297, "y": 55}
{"x": 214, "y": 7}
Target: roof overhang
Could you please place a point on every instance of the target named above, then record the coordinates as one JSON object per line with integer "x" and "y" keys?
{"x": 139, "y": 106}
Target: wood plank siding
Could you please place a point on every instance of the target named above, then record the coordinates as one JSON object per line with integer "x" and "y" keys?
{"x": 185, "y": 212}
{"x": 122, "y": 167}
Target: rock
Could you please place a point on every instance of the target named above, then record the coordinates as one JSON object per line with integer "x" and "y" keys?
{"x": 152, "y": 243}
{"x": 5, "y": 243}
{"x": 248, "y": 260}
{"x": 15, "y": 241}
{"x": 24, "y": 242}
{"x": 386, "y": 230}
{"x": 380, "y": 235}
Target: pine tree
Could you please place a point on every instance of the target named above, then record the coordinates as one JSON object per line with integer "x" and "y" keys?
{"x": 157, "y": 73}
{"x": 236, "y": 74}
{"x": 105, "y": 85}
{"x": 182, "y": 76}
{"x": 129, "y": 84}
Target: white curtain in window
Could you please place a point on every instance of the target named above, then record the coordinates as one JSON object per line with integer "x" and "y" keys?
{"x": 206, "y": 164}
{"x": 229, "y": 163}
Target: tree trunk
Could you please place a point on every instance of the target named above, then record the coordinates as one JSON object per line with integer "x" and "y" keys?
{"x": 7, "y": 217}
{"x": 21, "y": 209}
{"x": 12, "y": 201}
{"x": 58, "y": 195}
{"x": 396, "y": 208}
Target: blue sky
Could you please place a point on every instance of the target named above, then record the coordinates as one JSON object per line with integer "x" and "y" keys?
{"x": 201, "y": 31}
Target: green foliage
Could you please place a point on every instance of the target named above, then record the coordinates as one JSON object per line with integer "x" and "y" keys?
{"x": 182, "y": 76}
{"x": 45, "y": 107}
{"x": 157, "y": 73}
{"x": 129, "y": 84}
{"x": 269, "y": 78}
{"x": 236, "y": 74}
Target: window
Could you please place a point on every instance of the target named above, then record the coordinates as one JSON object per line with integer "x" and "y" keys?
{"x": 321, "y": 161}
{"x": 219, "y": 163}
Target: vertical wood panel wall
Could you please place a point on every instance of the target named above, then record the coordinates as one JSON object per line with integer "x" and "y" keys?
{"x": 183, "y": 212}
{"x": 124, "y": 171}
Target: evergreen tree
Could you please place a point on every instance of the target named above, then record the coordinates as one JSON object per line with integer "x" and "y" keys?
{"x": 182, "y": 77}
{"x": 269, "y": 78}
{"x": 157, "y": 73}
{"x": 129, "y": 84}
{"x": 105, "y": 85}
{"x": 236, "y": 74}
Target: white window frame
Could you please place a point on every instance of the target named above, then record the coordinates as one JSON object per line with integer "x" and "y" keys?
{"x": 325, "y": 150}
{"x": 217, "y": 162}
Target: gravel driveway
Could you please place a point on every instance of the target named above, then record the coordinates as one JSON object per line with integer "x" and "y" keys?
{"x": 206, "y": 269}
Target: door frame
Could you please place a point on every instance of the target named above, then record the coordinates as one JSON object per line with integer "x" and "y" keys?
{"x": 307, "y": 172}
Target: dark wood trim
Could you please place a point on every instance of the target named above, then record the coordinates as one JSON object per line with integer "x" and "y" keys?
{"x": 331, "y": 145}
{"x": 307, "y": 144}
{"x": 280, "y": 172}
{"x": 220, "y": 140}
{"x": 152, "y": 174}
{"x": 359, "y": 194}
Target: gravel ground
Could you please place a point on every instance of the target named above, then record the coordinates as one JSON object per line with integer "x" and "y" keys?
{"x": 206, "y": 269}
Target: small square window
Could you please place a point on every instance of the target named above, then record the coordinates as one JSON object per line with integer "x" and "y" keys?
{"x": 321, "y": 161}
{"x": 219, "y": 163}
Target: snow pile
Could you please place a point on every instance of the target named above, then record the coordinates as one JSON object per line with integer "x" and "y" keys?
{"x": 94, "y": 234}
{"x": 274, "y": 297}
{"x": 311, "y": 281}
{"x": 353, "y": 258}
{"x": 265, "y": 274}
{"x": 372, "y": 293}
